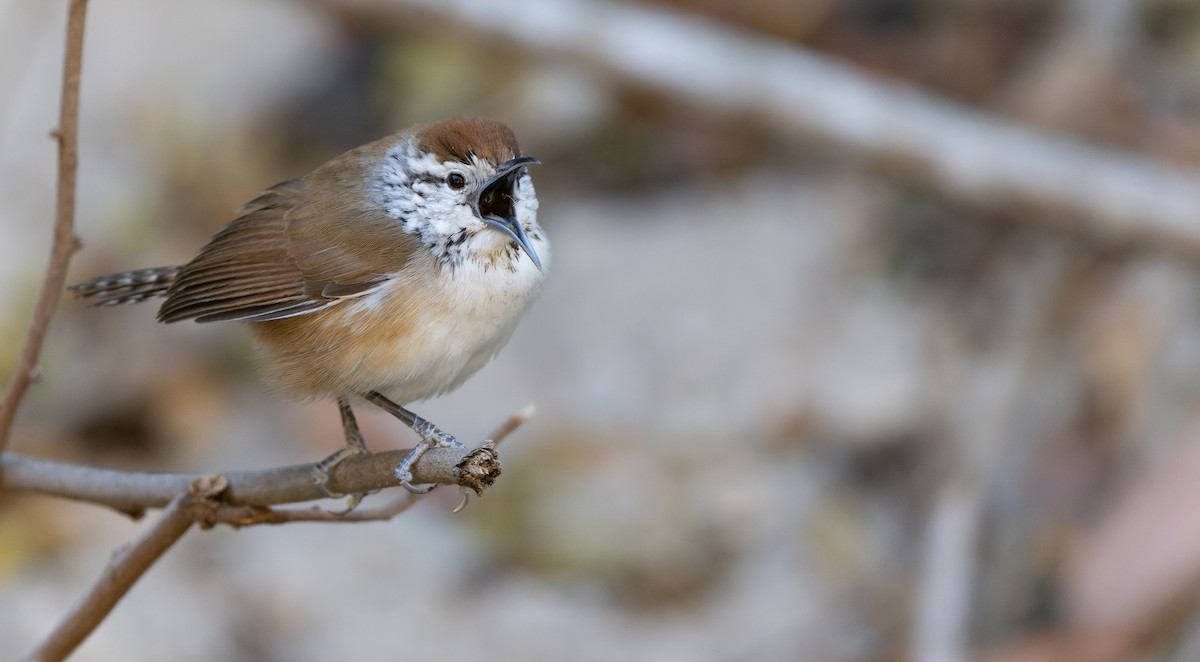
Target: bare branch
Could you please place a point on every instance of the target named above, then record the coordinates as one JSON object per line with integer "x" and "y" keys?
{"x": 124, "y": 569}
{"x": 966, "y": 154}
{"x": 478, "y": 462}
{"x": 133, "y": 492}
{"x": 65, "y": 242}
{"x": 1062, "y": 82}
{"x": 238, "y": 516}
{"x": 944, "y": 600}
{"x": 980, "y": 426}
{"x": 210, "y": 500}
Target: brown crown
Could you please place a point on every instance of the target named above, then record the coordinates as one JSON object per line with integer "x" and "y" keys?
{"x": 459, "y": 138}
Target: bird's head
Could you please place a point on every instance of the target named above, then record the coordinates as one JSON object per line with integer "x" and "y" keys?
{"x": 462, "y": 185}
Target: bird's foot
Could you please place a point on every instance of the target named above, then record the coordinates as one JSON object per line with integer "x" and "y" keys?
{"x": 431, "y": 437}
{"x": 322, "y": 470}
{"x": 353, "y": 448}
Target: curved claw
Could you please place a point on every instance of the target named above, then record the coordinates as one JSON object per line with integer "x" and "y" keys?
{"x": 466, "y": 498}
{"x": 417, "y": 489}
{"x": 351, "y": 504}
{"x": 320, "y": 478}
{"x": 431, "y": 437}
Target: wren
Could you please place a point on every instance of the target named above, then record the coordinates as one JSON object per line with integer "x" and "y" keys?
{"x": 391, "y": 273}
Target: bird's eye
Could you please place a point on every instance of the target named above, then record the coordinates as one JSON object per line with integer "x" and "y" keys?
{"x": 456, "y": 181}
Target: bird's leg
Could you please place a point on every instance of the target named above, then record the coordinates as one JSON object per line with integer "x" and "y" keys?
{"x": 354, "y": 446}
{"x": 431, "y": 437}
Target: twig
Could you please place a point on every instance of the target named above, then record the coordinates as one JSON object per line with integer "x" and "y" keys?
{"x": 479, "y": 463}
{"x": 1063, "y": 81}
{"x": 943, "y": 610}
{"x": 238, "y": 516}
{"x": 125, "y": 568}
{"x": 988, "y": 420}
{"x": 966, "y": 154}
{"x": 65, "y": 242}
{"x": 133, "y": 492}
{"x": 208, "y": 500}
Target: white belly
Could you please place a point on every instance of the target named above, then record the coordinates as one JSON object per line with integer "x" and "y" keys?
{"x": 467, "y": 317}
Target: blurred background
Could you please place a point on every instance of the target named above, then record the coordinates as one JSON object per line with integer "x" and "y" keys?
{"x": 872, "y": 333}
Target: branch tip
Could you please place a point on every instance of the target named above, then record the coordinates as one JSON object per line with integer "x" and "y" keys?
{"x": 480, "y": 468}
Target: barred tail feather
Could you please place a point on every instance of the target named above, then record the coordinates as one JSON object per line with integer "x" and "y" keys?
{"x": 126, "y": 287}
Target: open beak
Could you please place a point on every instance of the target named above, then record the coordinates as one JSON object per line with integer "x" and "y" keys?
{"x": 495, "y": 205}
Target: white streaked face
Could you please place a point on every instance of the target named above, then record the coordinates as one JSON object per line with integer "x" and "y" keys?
{"x": 445, "y": 202}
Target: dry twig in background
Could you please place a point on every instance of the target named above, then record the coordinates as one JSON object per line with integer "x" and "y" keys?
{"x": 65, "y": 242}
{"x": 126, "y": 566}
{"x": 981, "y": 429}
{"x": 966, "y": 154}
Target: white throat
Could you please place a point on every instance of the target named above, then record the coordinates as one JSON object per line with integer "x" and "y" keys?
{"x": 411, "y": 186}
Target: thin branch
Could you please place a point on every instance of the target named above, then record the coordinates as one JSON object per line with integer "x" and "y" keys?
{"x": 1091, "y": 41}
{"x": 133, "y": 492}
{"x": 510, "y": 424}
{"x": 988, "y": 420}
{"x": 251, "y": 515}
{"x": 210, "y": 500}
{"x": 966, "y": 154}
{"x": 123, "y": 570}
{"x": 65, "y": 242}
{"x": 239, "y": 516}
{"x": 943, "y": 610}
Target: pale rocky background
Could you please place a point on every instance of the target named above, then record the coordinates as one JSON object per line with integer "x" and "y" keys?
{"x": 769, "y": 377}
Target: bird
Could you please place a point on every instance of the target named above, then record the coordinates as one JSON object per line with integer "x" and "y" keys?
{"x": 391, "y": 274}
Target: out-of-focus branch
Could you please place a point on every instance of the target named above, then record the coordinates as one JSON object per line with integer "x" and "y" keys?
{"x": 65, "y": 242}
{"x": 944, "y": 601}
{"x": 132, "y": 492}
{"x": 1091, "y": 40}
{"x": 966, "y": 154}
{"x": 982, "y": 426}
{"x": 127, "y": 565}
